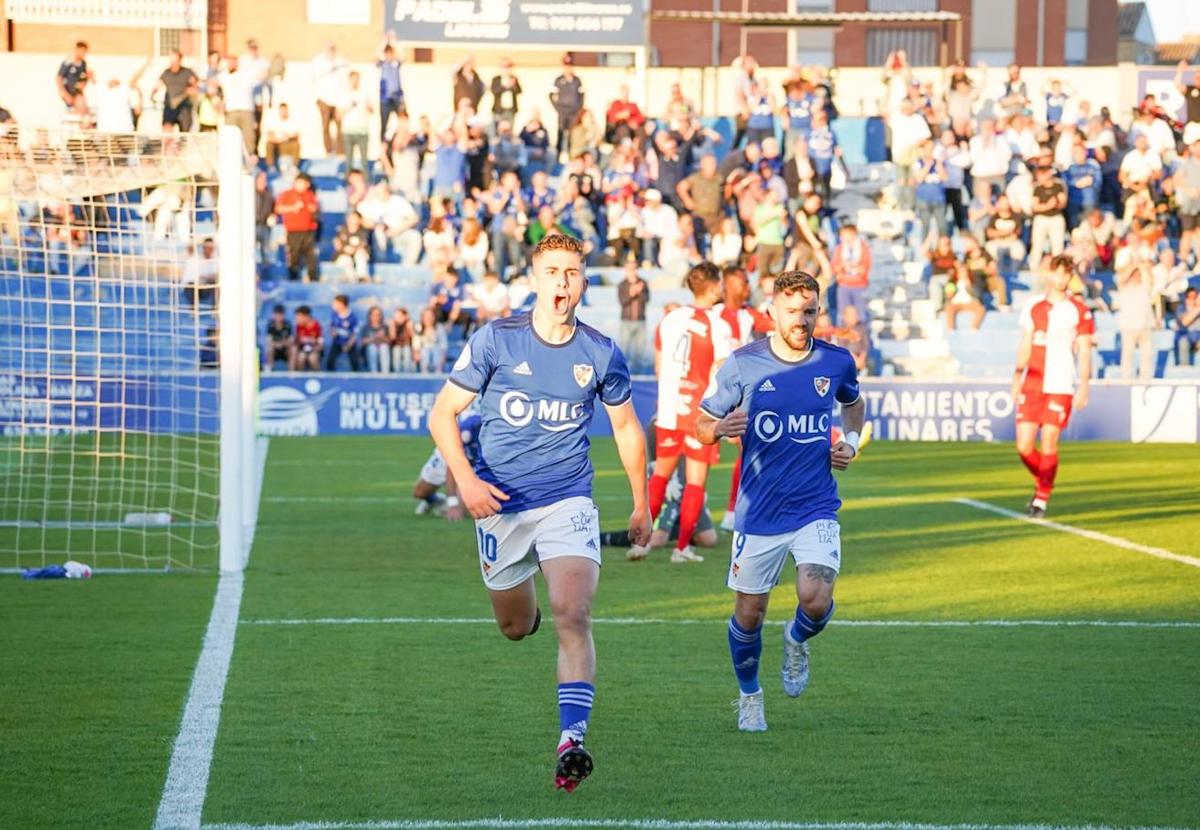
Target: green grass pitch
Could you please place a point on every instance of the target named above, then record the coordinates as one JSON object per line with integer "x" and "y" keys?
{"x": 346, "y": 724}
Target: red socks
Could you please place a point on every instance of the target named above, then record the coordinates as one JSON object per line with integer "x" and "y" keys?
{"x": 689, "y": 513}
{"x": 658, "y": 494}
{"x": 1033, "y": 462}
{"x": 735, "y": 481}
{"x": 1045, "y": 476}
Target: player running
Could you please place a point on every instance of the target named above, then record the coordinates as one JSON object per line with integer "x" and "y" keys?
{"x": 434, "y": 475}
{"x": 691, "y": 342}
{"x": 778, "y": 396}
{"x": 1055, "y": 329}
{"x": 746, "y": 323}
{"x": 538, "y": 376}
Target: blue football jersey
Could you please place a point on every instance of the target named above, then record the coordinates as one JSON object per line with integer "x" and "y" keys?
{"x": 469, "y": 427}
{"x": 787, "y": 480}
{"x": 536, "y": 401}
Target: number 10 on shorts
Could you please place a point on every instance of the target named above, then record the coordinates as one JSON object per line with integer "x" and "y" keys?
{"x": 487, "y": 545}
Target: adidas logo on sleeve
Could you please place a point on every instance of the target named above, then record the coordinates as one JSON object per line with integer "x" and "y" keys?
{"x": 523, "y": 369}
{"x": 766, "y": 386}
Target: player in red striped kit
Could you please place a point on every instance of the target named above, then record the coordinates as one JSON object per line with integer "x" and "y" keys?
{"x": 1056, "y": 329}
{"x": 746, "y": 323}
{"x": 690, "y": 344}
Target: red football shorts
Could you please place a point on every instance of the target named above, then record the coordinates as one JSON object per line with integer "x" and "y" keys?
{"x": 670, "y": 443}
{"x": 1035, "y": 406}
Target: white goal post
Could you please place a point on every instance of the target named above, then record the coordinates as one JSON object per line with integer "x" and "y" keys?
{"x": 128, "y": 357}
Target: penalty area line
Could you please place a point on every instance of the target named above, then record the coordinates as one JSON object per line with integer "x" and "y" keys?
{"x": 650, "y": 824}
{"x": 1095, "y": 536}
{"x": 658, "y": 621}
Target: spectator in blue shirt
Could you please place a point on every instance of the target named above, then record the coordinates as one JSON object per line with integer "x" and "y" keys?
{"x": 799, "y": 107}
{"x": 391, "y": 93}
{"x": 930, "y": 176}
{"x": 508, "y": 151}
{"x": 1083, "y": 185}
{"x": 536, "y": 139}
{"x": 343, "y": 335}
{"x": 446, "y": 296}
{"x": 822, "y": 150}
{"x": 73, "y": 75}
{"x": 450, "y": 172}
{"x": 1056, "y": 103}
{"x": 538, "y": 194}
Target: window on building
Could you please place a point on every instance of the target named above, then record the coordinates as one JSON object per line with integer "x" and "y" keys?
{"x": 902, "y": 5}
{"x": 170, "y": 41}
{"x": 1075, "y": 47}
{"x": 920, "y": 44}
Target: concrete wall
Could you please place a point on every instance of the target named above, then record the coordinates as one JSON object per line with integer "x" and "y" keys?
{"x": 33, "y": 100}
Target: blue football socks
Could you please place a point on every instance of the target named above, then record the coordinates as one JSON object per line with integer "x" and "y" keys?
{"x": 745, "y": 648}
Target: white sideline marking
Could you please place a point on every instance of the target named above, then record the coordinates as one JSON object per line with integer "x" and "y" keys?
{"x": 187, "y": 776}
{"x": 724, "y": 621}
{"x": 1115, "y": 541}
{"x": 647, "y": 824}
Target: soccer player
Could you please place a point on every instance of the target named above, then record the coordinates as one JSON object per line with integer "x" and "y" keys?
{"x": 538, "y": 376}
{"x": 1055, "y": 329}
{"x": 778, "y": 396}
{"x": 434, "y": 475}
{"x": 691, "y": 342}
{"x": 746, "y": 323}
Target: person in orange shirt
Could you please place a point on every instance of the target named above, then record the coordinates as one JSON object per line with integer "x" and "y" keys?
{"x": 299, "y": 209}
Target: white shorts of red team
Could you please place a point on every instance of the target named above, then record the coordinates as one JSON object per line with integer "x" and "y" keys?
{"x": 756, "y": 562}
{"x": 512, "y": 545}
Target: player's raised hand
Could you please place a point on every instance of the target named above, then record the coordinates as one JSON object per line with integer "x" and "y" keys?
{"x": 639, "y": 527}
{"x": 841, "y": 454}
{"x": 734, "y": 424}
{"x": 482, "y": 499}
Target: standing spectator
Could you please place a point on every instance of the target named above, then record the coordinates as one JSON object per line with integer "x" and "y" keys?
{"x": 1135, "y": 320}
{"x": 329, "y": 86}
{"x": 909, "y": 130}
{"x": 264, "y": 217}
{"x": 760, "y": 113}
{"x": 1003, "y": 234}
{"x": 567, "y": 99}
{"x": 343, "y": 335}
{"x": 854, "y": 336}
{"x": 1014, "y": 96}
{"x": 681, "y": 252}
{"x": 990, "y": 157}
{"x": 634, "y": 295}
{"x": 391, "y": 93}
{"x": 823, "y": 149}
{"x": 355, "y": 118}
{"x": 439, "y": 240}
{"x": 1191, "y": 97}
{"x": 1049, "y": 232}
{"x": 725, "y": 246}
{"x": 1083, "y": 185}
{"x": 851, "y": 263}
{"x": 393, "y": 222}
{"x": 299, "y": 209}
{"x": 666, "y": 166}
{"x": 624, "y": 227}
{"x": 179, "y": 86}
{"x": 280, "y": 339}
{"x": 450, "y": 173}
{"x": 237, "y": 88}
{"x": 701, "y": 194}
{"x": 1139, "y": 169}
{"x": 535, "y": 138}
{"x": 467, "y": 84}
{"x": 660, "y": 224}
{"x": 375, "y": 343}
{"x": 200, "y": 275}
{"x": 506, "y": 93}
{"x": 624, "y": 118}
{"x": 798, "y": 173}
{"x": 985, "y": 276}
{"x": 281, "y": 134}
{"x": 212, "y": 67}
{"x": 507, "y": 151}
{"x": 584, "y": 136}
{"x": 770, "y": 227}
{"x": 952, "y": 152}
{"x": 1170, "y": 281}
{"x": 1187, "y": 328}
{"x": 309, "y": 344}
{"x": 942, "y": 263}
{"x": 352, "y": 248}
{"x": 797, "y": 110}
{"x": 929, "y": 174}
{"x": 430, "y": 342}
{"x": 210, "y": 107}
{"x": 401, "y": 160}
{"x": 1187, "y": 196}
{"x": 400, "y": 336}
{"x": 73, "y": 76}
{"x": 265, "y": 69}
{"x": 118, "y": 105}
{"x": 491, "y": 298}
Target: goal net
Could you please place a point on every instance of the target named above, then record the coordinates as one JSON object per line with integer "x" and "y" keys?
{"x": 127, "y": 364}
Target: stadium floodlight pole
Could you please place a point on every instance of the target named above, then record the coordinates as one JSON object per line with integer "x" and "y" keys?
{"x": 230, "y": 302}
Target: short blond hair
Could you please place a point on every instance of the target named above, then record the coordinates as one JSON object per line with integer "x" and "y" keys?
{"x": 558, "y": 242}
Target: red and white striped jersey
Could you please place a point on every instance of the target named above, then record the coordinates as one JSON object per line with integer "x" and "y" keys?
{"x": 1055, "y": 328}
{"x": 691, "y": 342}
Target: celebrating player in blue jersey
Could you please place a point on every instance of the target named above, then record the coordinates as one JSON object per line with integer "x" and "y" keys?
{"x": 538, "y": 376}
{"x": 777, "y": 395}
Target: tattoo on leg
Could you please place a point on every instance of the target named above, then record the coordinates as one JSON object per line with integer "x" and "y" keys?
{"x": 821, "y": 572}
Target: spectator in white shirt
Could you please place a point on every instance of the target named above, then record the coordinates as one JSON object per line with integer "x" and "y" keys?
{"x": 329, "y": 85}
{"x": 117, "y": 106}
{"x": 473, "y": 248}
{"x": 725, "y": 247}
{"x": 909, "y": 130}
{"x": 660, "y": 226}
{"x": 282, "y": 135}
{"x": 237, "y": 87}
{"x": 1158, "y": 133}
{"x": 1135, "y": 319}
{"x": 356, "y": 115}
{"x": 1139, "y": 168}
{"x": 393, "y": 221}
{"x": 491, "y": 297}
{"x": 990, "y": 157}
{"x": 1170, "y": 282}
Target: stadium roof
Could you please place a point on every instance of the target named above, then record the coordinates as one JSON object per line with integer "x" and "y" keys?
{"x": 814, "y": 19}
{"x": 1129, "y": 17}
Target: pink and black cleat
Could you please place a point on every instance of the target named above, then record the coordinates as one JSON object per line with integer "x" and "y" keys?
{"x": 574, "y": 765}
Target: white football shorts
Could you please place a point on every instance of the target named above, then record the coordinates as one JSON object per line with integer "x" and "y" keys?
{"x": 512, "y": 544}
{"x": 434, "y": 470}
{"x": 757, "y": 561}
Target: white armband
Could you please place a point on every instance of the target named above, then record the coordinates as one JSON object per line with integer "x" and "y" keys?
{"x": 852, "y": 438}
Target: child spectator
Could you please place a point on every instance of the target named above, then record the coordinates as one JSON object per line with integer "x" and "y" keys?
{"x": 309, "y": 343}
{"x": 375, "y": 342}
{"x": 400, "y": 337}
{"x": 343, "y": 334}
{"x": 352, "y": 248}
{"x": 280, "y": 341}
{"x": 299, "y": 209}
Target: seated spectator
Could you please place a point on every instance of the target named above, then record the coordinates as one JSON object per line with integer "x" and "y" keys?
{"x": 446, "y": 298}
{"x": 624, "y": 228}
{"x": 961, "y": 298}
{"x": 725, "y": 246}
{"x": 660, "y": 225}
{"x": 1049, "y": 230}
{"x": 1100, "y": 230}
{"x": 1135, "y": 320}
{"x": 851, "y": 265}
{"x": 584, "y": 134}
{"x": 809, "y": 247}
{"x": 624, "y": 119}
{"x": 356, "y": 189}
{"x": 209, "y": 356}
{"x": 352, "y": 248}
{"x": 985, "y": 276}
{"x": 679, "y": 254}
{"x": 309, "y": 344}
{"x": 491, "y": 299}
{"x": 539, "y": 194}
{"x": 376, "y": 344}
{"x": 430, "y": 342}
{"x": 1170, "y": 281}
{"x": 545, "y": 223}
{"x": 439, "y": 238}
{"x": 343, "y": 334}
{"x": 536, "y": 140}
{"x": 282, "y": 133}
{"x": 400, "y": 338}
{"x": 200, "y": 274}
{"x": 473, "y": 248}
{"x": 392, "y": 221}
{"x": 702, "y": 195}
{"x": 1003, "y": 233}
{"x": 853, "y": 336}
{"x": 507, "y": 151}
{"x": 1187, "y": 328}
{"x": 1139, "y": 169}
{"x": 280, "y": 340}
{"x": 299, "y": 209}
{"x": 942, "y": 264}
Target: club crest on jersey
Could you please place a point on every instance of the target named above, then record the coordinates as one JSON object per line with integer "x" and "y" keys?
{"x": 822, "y": 386}
{"x": 583, "y": 374}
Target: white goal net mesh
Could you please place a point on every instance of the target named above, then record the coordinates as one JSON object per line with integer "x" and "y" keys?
{"x": 109, "y": 325}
